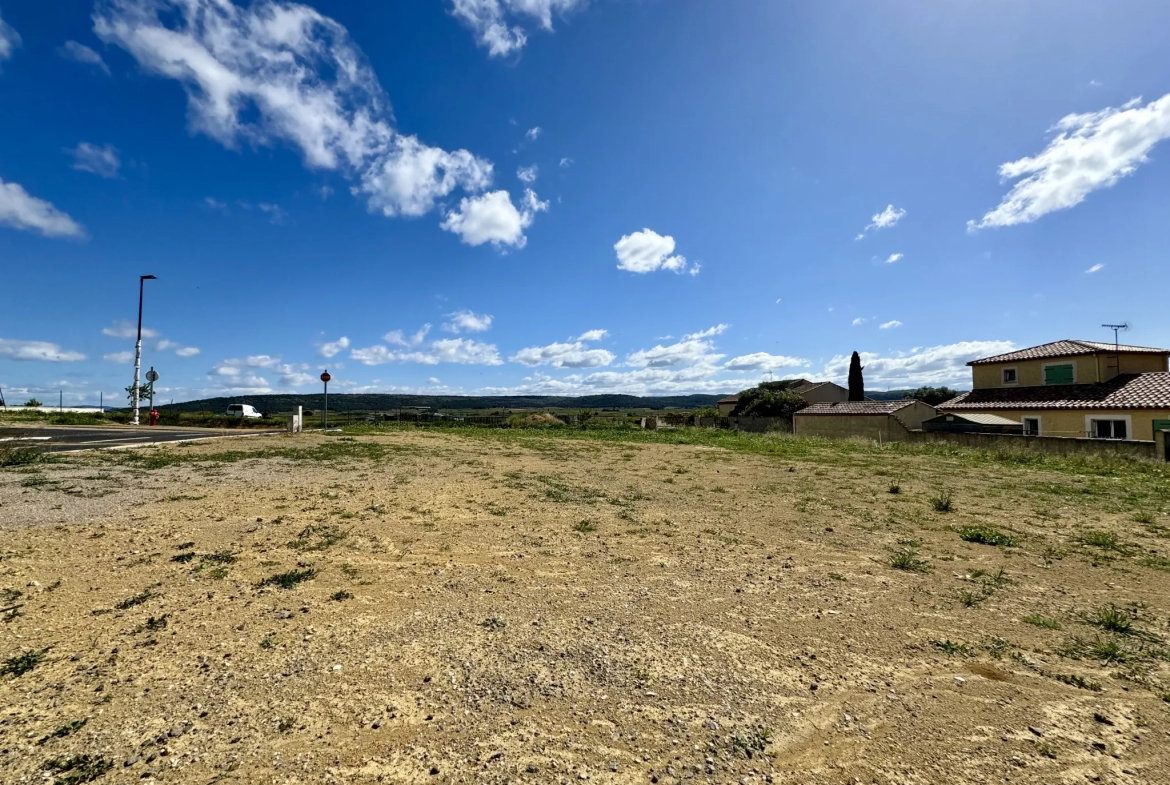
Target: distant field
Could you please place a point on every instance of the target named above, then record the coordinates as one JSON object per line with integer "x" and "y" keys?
{"x": 404, "y": 605}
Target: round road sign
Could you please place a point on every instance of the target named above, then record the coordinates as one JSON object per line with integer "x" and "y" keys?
{"x": 152, "y": 375}
{"x": 325, "y": 377}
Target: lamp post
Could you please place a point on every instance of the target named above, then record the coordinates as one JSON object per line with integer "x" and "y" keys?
{"x": 142, "y": 279}
{"x": 325, "y": 377}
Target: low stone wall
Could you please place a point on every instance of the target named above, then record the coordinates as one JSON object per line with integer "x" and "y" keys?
{"x": 879, "y": 427}
{"x": 1145, "y": 451}
{"x": 760, "y": 424}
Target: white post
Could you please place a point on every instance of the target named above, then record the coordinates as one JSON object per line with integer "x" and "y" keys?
{"x": 137, "y": 370}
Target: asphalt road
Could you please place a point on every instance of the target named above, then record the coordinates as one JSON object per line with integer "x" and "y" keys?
{"x": 64, "y": 438}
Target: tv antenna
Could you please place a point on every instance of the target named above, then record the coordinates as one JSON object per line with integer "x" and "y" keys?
{"x": 1117, "y": 328}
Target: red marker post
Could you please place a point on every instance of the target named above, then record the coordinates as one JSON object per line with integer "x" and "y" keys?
{"x": 325, "y": 377}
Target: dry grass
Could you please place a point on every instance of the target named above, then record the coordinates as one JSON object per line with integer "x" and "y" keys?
{"x": 560, "y": 606}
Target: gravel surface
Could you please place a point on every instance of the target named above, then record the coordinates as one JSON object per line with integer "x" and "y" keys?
{"x": 548, "y": 610}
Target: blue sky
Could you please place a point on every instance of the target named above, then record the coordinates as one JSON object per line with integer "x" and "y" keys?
{"x": 572, "y": 196}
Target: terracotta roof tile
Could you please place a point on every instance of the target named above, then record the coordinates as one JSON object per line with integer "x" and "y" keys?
{"x": 856, "y": 407}
{"x": 1065, "y": 349}
{"x": 1128, "y": 391}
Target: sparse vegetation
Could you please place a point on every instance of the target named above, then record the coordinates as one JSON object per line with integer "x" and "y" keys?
{"x": 942, "y": 502}
{"x": 986, "y": 535}
{"x": 907, "y": 559}
{"x": 584, "y": 527}
{"x": 341, "y": 596}
{"x": 1042, "y": 621}
{"x": 288, "y": 580}
{"x": 137, "y": 599}
{"x": 20, "y": 664}
{"x": 77, "y": 769}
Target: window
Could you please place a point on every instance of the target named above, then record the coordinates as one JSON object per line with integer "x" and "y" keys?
{"x": 1059, "y": 374}
{"x": 1009, "y": 376}
{"x": 1109, "y": 429}
{"x": 1031, "y": 426}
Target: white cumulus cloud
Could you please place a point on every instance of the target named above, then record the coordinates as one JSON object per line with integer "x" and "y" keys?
{"x": 19, "y": 210}
{"x": 187, "y": 351}
{"x": 1095, "y": 268}
{"x": 894, "y": 257}
{"x": 333, "y": 348}
{"x": 280, "y": 72}
{"x": 80, "y": 53}
{"x": 399, "y": 339}
{"x": 763, "y": 361}
{"x": 37, "y": 350}
{"x": 564, "y": 355}
{"x": 528, "y": 174}
{"x": 889, "y": 325}
{"x": 9, "y": 40}
{"x": 466, "y": 321}
{"x": 936, "y": 365}
{"x": 647, "y": 251}
{"x": 119, "y": 357}
{"x": 593, "y": 335}
{"x": 493, "y": 218}
{"x": 1090, "y": 151}
{"x": 492, "y": 20}
{"x": 100, "y": 160}
{"x": 461, "y": 351}
{"x": 124, "y": 328}
{"x": 887, "y": 218}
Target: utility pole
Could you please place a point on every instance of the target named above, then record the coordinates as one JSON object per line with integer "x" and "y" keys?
{"x": 142, "y": 279}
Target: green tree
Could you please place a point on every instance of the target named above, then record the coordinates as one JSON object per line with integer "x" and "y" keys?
{"x": 932, "y": 396}
{"x": 856, "y": 382}
{"x": 769, "y": 399}
{"x": 32, "y": 402}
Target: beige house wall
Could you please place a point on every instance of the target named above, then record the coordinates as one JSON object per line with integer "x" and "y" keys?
{"x": 1090, "y": 369}
{"x": 879, "y": 427}
{"x": 1073, "y": 423}
{"x": 914, "y": 415}
{"x": 826, "y": 393}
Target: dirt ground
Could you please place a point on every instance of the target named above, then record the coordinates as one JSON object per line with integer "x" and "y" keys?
{"x": 548, "y": 610}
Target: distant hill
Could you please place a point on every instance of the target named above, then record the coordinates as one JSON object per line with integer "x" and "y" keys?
{"x": 370, "y": 402}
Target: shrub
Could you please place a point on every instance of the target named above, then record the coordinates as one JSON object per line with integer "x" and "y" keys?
{"x": 769, "y": 399}
{"x": 943, "y": 502}
{"x": 986, "y": 535}
{"x": 907, "y": 559}
{"x": 32, "y": 402}
{"x": 535, "y": 420}
{"x": 22, "y": 456}
{"x": 287, "y": 580}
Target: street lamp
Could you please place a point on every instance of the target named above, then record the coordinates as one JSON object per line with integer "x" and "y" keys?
{"x": 142, "y": 279}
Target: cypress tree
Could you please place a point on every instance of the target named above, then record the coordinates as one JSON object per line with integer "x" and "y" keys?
{"x": 856, "y": 383}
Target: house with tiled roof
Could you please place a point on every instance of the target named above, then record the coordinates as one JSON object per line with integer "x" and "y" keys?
{"x": 884, "y": 421}
{"x": 1085, "y": 389}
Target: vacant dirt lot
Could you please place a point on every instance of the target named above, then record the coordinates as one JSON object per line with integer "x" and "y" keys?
{"x": 420, "y": 607}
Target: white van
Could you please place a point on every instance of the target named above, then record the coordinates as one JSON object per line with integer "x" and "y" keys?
{"x": 242, "y": 410}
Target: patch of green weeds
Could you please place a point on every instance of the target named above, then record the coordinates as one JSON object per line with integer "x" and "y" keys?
{"x": 1045, "y": 749}
{"x": 160, "y": 623}
{"x": 1042, "y": 621}
{"x": 1109, "y": 651}
{"x": 1143, "y": 517}
{"x": 943, "y": 501}
{"x": 77, "y": 769}
{"x": 286, "y": 725}
{"x": 137, "y": 599}
{"x": 318, "y": 537}
{"x": 341, "y": 596}
{"x": 584, "y": 527}
{"x": 183, "y": 558}
{"x": 68, "y": 729}
{"x": 1106, "y": 541}
{"x": 751, "y": 743}
{"x": 1157, "y": 562}
{"x": 23, "y": 456}
{"x": 287, "y": 580}
{"x": 268, "y": 642}
{"x": 986, "y": 535}
{"x": 952, "y": 648}
{"x": 1112, "y": 619}
{"x": 9, "y": 594}
{"x": 907, "y": 559}
{"x": 894, "y": 488}
{"x": 20, "y": 664}
{"x": 494, "y": 623}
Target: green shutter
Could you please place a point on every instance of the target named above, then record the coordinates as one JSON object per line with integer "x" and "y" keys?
{"x": 1161, "y": 425}
{"x": 1058, "y": 374}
